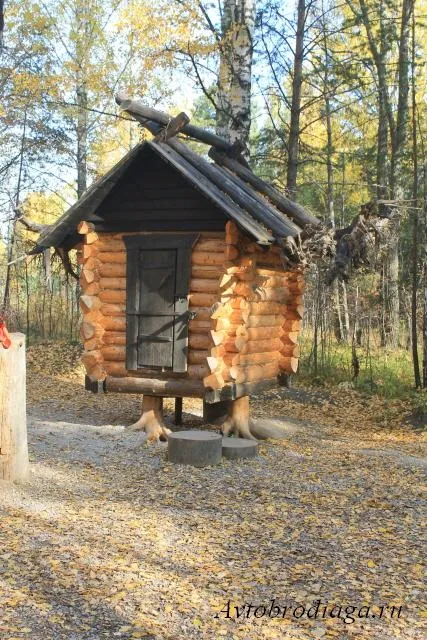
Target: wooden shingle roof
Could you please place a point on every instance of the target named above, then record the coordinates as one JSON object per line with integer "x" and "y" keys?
{"x": 256, "y": 206}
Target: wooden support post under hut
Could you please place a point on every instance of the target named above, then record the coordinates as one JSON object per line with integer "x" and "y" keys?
{"x": 191, "y": 280}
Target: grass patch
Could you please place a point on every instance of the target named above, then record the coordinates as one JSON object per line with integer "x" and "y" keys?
{"x": 382, "y": 372}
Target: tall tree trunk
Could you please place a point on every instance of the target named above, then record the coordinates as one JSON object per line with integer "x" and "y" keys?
{"x": 82, "y": 17}
{"x": 1, "y": 25}
{"x": 233, "y": 118}
{"x": 294, "y": 126}
{"x": 382, "y": 134}
{"x": 391, "y": 301}
{"x": 382, "y": 149}
{"x": 402, "y": 116}
{"x": 346, "y": 315}
{"x": 329, "y": 164}
{"x": 382, "y": 190}
{"x": 397, "y": 126}
{"x": 224, "y": 72}
{"x": 397, "y": 178}
{"x": 337, "y": 315}
{"x": 81, "y": 129}
{"x": 12, "y": 233}
{"x": 415, "y": 225}
{"x": 330, "y": 206}
{"x": 425, "y": 275}
{"x": 27, "y": 306}
{"x": 338, "y": 322}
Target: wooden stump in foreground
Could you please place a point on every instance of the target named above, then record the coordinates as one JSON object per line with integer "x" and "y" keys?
{"x": 235, "y": 448}
{"x": 196, "y": 448}
{"x": 13, "y": 423}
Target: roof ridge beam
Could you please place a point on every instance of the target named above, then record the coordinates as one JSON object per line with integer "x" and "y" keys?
{"x": 137, "y": 108}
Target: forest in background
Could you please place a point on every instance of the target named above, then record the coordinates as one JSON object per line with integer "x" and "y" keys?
{"x": 327, "y": 98}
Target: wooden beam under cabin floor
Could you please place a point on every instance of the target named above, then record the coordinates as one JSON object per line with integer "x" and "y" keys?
{"x": 173, "y": 388}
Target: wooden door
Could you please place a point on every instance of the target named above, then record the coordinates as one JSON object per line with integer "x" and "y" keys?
{"x": 157, "y": 281}
{"x": 158, "y": 272}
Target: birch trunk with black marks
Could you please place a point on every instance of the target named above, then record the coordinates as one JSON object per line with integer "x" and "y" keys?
{"x": 338, "y": 320}
{"x": 224, "y": 73}
{"x": 233, "y": 116}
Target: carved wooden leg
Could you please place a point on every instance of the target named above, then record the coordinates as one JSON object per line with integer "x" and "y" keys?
{"x": 151, "y": 420}
{"x": 238, "y": 421}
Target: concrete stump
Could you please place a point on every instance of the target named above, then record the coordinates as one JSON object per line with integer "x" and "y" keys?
{"x": 13, "y": 423}
{"x": 196, "y": 448}
{"x": 233, "y": 448}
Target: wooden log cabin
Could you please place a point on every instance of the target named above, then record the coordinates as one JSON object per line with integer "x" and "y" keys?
{"x": 190, "y": 284}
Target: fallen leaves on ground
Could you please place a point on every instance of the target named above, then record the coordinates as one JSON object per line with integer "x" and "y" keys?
{"x": 110, "y": 540}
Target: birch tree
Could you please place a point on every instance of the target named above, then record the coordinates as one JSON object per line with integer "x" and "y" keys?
{"x": 233, "y": 114}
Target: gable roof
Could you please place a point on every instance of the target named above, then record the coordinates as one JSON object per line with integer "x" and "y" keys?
{"x": 263, "y": 213}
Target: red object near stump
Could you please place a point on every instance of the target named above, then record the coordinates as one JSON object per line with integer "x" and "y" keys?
{"x": 4, "y": 335}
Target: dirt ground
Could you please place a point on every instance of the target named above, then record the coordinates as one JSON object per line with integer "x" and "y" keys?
{"x": 110, "y": 540}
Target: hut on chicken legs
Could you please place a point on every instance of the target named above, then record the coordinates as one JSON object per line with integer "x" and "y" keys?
{"x": 190, "y": 279}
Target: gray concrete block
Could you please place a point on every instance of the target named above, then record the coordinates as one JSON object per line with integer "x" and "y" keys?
{"x": 196, "y": 448}
{"x": 233, "y": 448}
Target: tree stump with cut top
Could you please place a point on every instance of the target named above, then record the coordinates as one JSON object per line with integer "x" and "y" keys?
{"x": 13, "y": 423}
{"x": 234, "y": 448}
{"x": 196, "y": 448}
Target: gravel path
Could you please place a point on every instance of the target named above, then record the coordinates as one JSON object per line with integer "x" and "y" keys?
{"x": 109, "y": 540}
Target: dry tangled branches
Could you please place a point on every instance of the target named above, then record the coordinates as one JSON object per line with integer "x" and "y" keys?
{"x": 354, "y": 246}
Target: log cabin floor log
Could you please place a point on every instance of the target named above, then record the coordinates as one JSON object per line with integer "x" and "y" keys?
{"x": 151, "y": 420}
{"x": 170, "y": 388}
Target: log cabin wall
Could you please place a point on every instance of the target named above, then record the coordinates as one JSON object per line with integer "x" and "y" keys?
{"x": 247, "y": 309}
{"x": 256, "y": 323}
{"x": 103, "y": 303}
